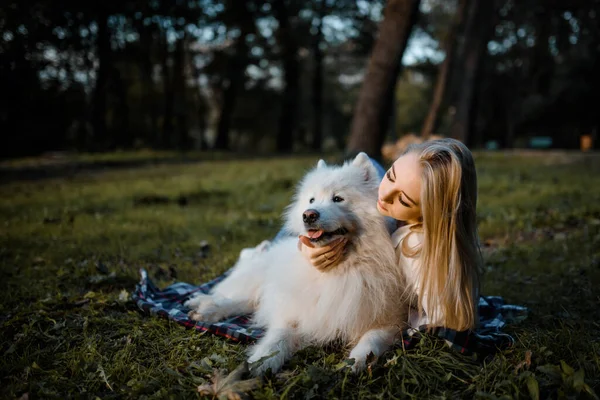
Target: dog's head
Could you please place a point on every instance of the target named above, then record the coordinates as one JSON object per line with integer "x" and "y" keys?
{"x": 334, "y": 201}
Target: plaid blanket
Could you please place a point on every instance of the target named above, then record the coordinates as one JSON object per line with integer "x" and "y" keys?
{"x": 168, "y": 303}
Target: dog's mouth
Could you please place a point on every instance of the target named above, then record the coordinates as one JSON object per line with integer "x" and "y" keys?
{"x": 318, "y": 235}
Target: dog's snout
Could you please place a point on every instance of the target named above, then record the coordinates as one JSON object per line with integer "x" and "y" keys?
{"x": 310, "y": 216}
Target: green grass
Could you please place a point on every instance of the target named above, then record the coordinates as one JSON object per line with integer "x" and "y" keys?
{"x": 70, "y": 330}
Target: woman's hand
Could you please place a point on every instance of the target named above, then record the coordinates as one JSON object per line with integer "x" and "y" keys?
{"x": 322, "y": 258}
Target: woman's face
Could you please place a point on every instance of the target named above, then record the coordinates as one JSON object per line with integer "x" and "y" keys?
{"x": 400, "y": 190}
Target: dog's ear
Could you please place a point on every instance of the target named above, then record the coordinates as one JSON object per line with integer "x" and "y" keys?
{"x": 363, "y": 161}
{"x": 321, "y": 164}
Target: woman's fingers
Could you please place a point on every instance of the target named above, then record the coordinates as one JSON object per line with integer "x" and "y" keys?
{"x": 330, "y": 250}
{"x": 319, "y": 256}
{"x": 331, "y": 262}
{"x": 331, "y": 258}
{"x": 305, "y": 240}
{"x": 336, "y": 260}
{"x": 315, "y": 252}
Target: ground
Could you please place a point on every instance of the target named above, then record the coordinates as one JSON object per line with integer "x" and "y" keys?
{"x": 72, "y": 242}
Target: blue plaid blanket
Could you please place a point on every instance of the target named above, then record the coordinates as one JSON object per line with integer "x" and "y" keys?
{"x": 168, "y": 303}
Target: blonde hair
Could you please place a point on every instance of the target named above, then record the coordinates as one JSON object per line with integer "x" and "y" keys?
{"x": 449, "y": 255}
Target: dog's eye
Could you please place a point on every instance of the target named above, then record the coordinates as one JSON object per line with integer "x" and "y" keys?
{"x": 337, "y": 199}
{"x": 312, "y": 200}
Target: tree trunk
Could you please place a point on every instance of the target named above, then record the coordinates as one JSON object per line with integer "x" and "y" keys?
{"x": 477, "y": 30}
{"x": 169, "y": 98}
{"x": 102, "y": 78}
{"x": 227, "y": 107}
{"x": 542, "y": 64}
{"x": 371, "y": 116}
{"x": 235, "y": 78}
{"x": 125, "y": 138}
{"x": 291, "y": 73}
{"x": 180, "y": 90}
{"x": 432, "y": 119}
{"x": 317, "y": 92}
{"x": 147, "y": 70}
{"x": 236, "y": 71}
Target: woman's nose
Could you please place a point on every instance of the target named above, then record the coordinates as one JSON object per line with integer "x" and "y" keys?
{"x": 385, "y": 193}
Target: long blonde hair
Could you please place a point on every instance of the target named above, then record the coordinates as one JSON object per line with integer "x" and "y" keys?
{"x": 449, "y": 255}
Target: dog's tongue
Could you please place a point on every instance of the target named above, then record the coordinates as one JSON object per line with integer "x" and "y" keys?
{"x": 314, "y": 234}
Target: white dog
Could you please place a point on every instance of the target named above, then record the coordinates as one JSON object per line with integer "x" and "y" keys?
{"x": 358, "y": 302}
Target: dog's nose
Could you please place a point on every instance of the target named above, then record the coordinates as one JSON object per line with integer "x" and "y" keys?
{"x": 310, "y": 216}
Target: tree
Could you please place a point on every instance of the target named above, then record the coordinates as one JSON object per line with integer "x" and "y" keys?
{"x": 84, "y": 76}
{"x": 372, "y": 111}
{"x": 168, "y": 93}
{"x": 240, "y": 18}
{"x": 144, "y": 57}
{"x": 291, "y": 74}
{"x": 478, "y": 28}
{"x": 103, "y": 53}
{"x": 432, "y": 119}
{"x": 179, "y": 77}
{"x": 317, "y": 86}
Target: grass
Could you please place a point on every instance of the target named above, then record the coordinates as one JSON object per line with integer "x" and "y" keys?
{"x": 70, "y": 250}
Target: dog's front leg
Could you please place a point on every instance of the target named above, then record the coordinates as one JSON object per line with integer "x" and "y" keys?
{"x": 375, "y": 341}
{"x": 213, "y": 308}
{"x": 273, "y": 350}
{"x": 236, "y": 295}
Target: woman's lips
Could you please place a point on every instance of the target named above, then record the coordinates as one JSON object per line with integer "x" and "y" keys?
{"x": 380, "y": 203}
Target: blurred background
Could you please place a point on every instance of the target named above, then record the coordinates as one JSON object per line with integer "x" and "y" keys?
{"x": 280, "y": 76}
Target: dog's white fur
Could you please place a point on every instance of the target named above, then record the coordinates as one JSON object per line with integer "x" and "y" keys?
{"x": 358, "y": 302}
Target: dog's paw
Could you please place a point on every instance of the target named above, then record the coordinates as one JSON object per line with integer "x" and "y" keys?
{"x": 361, "y": 361}
{"x": 197, "y": 300}
{"x": 205, "y": 308}
{"x": 359, "y": 365}
{"x": 251, "y": 252}
{"x": 262, "y": 358}
{"x": 197, "y": 315}
{"x": 209, "y": 313}
{"x": 259, "y": 366}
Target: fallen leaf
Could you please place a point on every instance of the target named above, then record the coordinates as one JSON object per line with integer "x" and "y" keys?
{"x": 123, "y": 296}
{"x": 553, "y": 371}
{"x": 525, "y": 363}
{"x": 578, "y": 380}
{"x": 231, "y": 387}
{"x": 567, "y": 369}
{"x": 533, "y": 387}
{"x": 103, "y": 376}
{"x": 392, "y": 361}
{"x": 217, "y": 358}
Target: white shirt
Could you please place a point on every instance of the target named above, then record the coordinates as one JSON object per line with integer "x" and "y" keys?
{"x": 410, "y": 267}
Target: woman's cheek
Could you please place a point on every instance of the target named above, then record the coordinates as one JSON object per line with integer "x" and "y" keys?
{"x": 381, "y": 210}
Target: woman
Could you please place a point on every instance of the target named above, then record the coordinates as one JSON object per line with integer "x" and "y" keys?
{"x": 432, "y": 191}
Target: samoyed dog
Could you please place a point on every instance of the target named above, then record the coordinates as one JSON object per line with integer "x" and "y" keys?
{"x": 358, "y": 302}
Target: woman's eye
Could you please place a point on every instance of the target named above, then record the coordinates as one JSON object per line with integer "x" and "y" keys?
{"x": 337, "y": 199}
{"x": 405, "y": 204}
{"x": 312, "y": 200}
